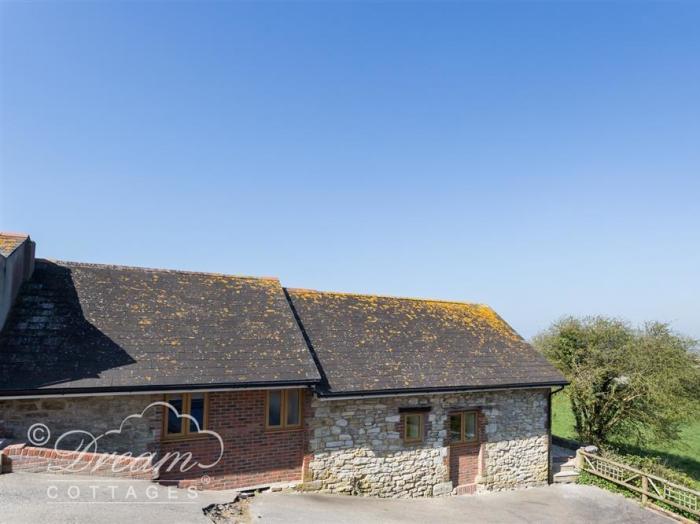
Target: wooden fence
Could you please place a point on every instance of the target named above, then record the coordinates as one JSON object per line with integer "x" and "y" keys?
{"x": 647, "y": 485}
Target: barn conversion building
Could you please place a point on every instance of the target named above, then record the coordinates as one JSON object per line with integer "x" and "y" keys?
{"x": 342, "y": 393}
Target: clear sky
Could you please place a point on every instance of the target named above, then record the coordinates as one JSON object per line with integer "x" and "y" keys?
{"x": 543, "y": 158}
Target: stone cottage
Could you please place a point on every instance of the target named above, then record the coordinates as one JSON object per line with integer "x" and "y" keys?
{"x": 260, "y": 384}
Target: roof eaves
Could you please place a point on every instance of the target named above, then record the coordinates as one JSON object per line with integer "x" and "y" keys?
{"x": 437, "y": 390}
{"x": 46, "y": 392}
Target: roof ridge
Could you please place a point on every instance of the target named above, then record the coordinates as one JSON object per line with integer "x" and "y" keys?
{"x": 375, "y": 295}
{"x": 152, "y": 269}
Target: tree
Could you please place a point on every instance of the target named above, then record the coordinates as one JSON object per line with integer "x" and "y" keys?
{"x": 626, "y": 383}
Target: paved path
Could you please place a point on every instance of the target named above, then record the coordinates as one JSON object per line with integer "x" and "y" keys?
{"x": 553, "y": 504}
{"x": 72, "y": 499}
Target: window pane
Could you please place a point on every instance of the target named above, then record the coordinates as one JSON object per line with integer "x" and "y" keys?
{"x": 292, "y": 407}
{"x": 470, "y": 426}
{"x": 455, "y": 428}
{"x": 197, "y": 411}
{"x": 413, "y": 427}
{"x": 174, "y": 421}
{"x": 274, "y": 408}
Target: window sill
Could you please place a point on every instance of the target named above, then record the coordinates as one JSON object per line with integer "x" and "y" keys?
{"x": 284, "y": 430}
{"x": 182, "y": 438}
{"x": 464, "y": 442}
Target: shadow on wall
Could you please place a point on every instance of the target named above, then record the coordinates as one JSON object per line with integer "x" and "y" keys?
{"x": 48, "y": 341}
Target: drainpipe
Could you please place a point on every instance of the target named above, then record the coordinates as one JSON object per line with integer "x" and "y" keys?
{"x": 549, "y": 432}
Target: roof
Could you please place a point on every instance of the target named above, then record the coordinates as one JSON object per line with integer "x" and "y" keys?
{"x": 370, "y": 344}
{"x": 84, "y": 328}
{"x": 79, "y": 327}
{"x": 11, "y": 241}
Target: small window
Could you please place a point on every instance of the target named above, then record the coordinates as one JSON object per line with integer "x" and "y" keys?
{"x": 175, "y": 426}
{"x": 293, "y": 410}
{"x": 196, "y": 412}
{"x": 463, "y": 427}
{"x": 469, "y": 426}
{"x": 274, "y": 408}
{"x": 283, "y": 408}
{"x": 456, "y": 427}
{"x": 413, "y": 427}
{"x": 177, "y": 421}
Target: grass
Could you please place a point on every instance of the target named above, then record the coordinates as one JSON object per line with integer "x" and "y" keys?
{"x": 682, "y": 455}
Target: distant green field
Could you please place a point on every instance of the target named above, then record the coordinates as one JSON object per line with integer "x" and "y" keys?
{"x": 683, "y": 455}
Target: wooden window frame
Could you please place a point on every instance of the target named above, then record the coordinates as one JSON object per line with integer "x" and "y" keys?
{"x": 283, "y": 426}
{"x": 463, "y": 426}
{"x": 421, "y": 427}
{"x": 185, "y": 425}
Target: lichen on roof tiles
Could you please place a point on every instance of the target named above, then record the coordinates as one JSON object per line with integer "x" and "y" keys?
{"x": 371, "y": 342}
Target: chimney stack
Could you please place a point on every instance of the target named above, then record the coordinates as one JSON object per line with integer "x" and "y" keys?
{"x": 16, "y": 266}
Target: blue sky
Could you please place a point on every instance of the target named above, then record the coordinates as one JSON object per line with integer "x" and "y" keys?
{"x": 543, "y": 158}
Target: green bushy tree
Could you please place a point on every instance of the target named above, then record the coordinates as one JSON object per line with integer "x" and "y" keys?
{"x": 639, "y": 384}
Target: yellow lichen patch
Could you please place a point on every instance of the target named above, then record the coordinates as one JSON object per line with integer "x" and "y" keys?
{"x": 496, "y": 323}
{"x": 478, "y": 319}
{"x": 9, "y": 242}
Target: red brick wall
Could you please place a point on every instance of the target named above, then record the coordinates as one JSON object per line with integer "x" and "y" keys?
{"x": 19, "y": 457}
{"x": 464, "y": 463}
{"x": 464, "y": 458}
{"x": 252, "y": 454}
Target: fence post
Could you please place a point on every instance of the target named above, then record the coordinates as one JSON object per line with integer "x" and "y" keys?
{"x": 579, "y": 459}
{"x": 645, "y": 488}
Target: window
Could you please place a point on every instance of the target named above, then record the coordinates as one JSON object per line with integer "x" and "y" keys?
{"x": 283, "y": 408}
{"x": 413, "y": 427}
{"x": 192, "y": 404}
{"x": 463, "y": 427}
{"x": 197, "y": 405}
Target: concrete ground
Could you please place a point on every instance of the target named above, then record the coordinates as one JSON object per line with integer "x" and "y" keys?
{"x": 553, "y": 504}
{"x": 72, "y": 499}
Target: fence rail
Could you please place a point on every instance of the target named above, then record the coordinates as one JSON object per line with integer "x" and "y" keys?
{"x": 647, "y": 485}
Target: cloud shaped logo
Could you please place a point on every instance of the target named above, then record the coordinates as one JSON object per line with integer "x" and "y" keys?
{"x": 86, "y": 453}
{"x": 180, "y": 416}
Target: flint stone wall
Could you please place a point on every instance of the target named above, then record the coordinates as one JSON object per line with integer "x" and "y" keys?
{"x": 356, "y": 446}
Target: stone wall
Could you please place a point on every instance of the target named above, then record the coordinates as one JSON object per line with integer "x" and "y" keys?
{"x": 347, "y": 446}
{"x": 92, "y": 414}
{"x": 357, "y": 448}
{"x": 517, "y": 440}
